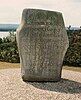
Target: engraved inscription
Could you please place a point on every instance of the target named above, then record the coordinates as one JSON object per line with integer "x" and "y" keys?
{"x": 42, "y": 42}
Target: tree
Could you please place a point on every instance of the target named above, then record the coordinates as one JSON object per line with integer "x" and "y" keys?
{"x": 12, "y": 36}
{"x": 69, "y": 27}
{"x": 0, "y": 40}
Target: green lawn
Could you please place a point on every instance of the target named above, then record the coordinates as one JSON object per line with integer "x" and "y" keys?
{"x": 5, "y": 65}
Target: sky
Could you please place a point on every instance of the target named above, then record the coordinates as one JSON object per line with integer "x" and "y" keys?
{"x": 11, "y": 10}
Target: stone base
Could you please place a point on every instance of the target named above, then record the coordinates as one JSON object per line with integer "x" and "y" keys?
{"x": 39, "y": 79}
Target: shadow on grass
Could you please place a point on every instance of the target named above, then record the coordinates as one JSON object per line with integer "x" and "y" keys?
{"x": 63, "y": 86}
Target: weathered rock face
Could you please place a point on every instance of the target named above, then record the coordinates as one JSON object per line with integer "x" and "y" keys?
{"x": 42, "y": 43}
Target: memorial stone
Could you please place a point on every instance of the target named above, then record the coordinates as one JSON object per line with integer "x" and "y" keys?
{"x": 42, "y": 43}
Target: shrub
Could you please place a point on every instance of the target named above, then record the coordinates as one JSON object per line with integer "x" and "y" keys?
{"x": 9, "y": 50}
{"x": 73, "y": 54}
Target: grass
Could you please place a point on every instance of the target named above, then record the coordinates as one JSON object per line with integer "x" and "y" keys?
{"x": 72, "y": 68}
{"x": 5, "y": 65}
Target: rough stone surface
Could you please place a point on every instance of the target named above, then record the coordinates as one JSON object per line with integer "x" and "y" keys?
{"x": 42, "y": 43}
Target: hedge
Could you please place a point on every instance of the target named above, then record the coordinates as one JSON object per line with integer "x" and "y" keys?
{"x": 9, "y": 50}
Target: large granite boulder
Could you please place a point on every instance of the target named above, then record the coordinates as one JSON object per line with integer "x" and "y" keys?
{"x": 42, "y": 43}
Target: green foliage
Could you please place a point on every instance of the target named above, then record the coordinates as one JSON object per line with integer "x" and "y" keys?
{"x": 0, "y": 40}
{"x": 8, "y": 49}
{"x": 73, "y": 54}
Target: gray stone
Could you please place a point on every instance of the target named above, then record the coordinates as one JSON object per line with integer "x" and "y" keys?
{"x": 42, "y": 43}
